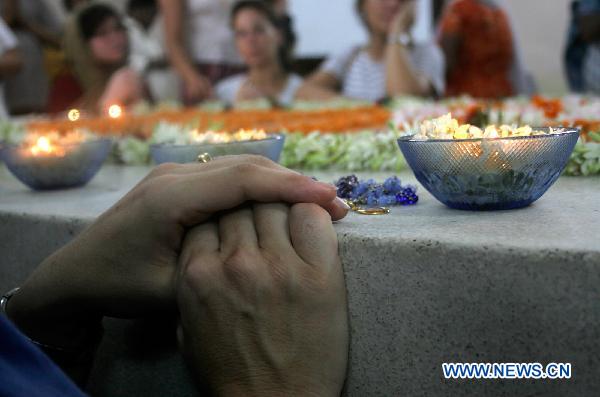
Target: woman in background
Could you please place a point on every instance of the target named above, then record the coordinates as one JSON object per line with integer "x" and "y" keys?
{"x": 97, "y": 50}
{"x": 262, "y": 46}
{"x": 391, "y": 64}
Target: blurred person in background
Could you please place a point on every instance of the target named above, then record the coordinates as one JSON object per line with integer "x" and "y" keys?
{"x": 478, "y": 46}
{"x": 262, "y": 45}
{"x": 144, "y": 49}
{"x": 582, "y": 55}
{"x": 390, "y": 64}
{"x": 70, "y": 5}
{"x": 482, "y": 57}
{"x": 36, "y": 28}
{"x": 147, "y": 51}
{"x": 284, "y": 23}
{"x": 200, "y": 44}
{"x": 11, "y": 61}
{"x": 97, "y": 51}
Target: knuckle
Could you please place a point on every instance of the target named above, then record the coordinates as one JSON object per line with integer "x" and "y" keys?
{"x": 198, "y": 275}
{"x": 163, "y": 169}
{"x": 157, "y": 186}
{"x": 246, "y": 169}
{"x": 154, "y": 194}
{"x": 240, "y": 265}
{"x": 258, "y": 160}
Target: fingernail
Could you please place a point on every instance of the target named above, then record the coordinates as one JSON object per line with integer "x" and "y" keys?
{"x": 341, "y": 203}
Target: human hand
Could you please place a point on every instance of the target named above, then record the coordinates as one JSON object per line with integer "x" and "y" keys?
{"x": 263, "y": 304}
{"x": 196, "y": 88}
{"x": 404, "y": 18}
{"x": 123, "y": 265}
{"x": 125, "y": 88}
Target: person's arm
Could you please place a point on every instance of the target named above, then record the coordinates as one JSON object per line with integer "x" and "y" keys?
{"x": 43, "y": 34}
{"x": 124, "y": 264}
{"x": 401, "y": 77}
{"x": 196, "y": 86}
{"x": 125, "y": 87}
{"x": 273, "y": 272}
{"x": 326, "y": 82}
{"x": 589, "y": 26}
{"x": 10, "y": 63}
{"x": 11, "y": 15}
{"x": 28, "y": 372}
{"x": 319, "y": 86}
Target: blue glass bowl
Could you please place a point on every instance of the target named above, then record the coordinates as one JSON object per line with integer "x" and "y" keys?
{"x": 167, "y": 153}
{"x": 80, "y": 163}
{"x": 489, "y": 174}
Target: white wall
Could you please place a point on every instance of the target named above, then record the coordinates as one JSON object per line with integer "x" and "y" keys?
{"x": 326, "y": 26}
{"x": 541, "y": 29}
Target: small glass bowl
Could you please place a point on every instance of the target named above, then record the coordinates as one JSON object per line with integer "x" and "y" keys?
{"x": 269, "y": 147}
{"x": 79, "y": 164}
{"x": 492, "y": 173}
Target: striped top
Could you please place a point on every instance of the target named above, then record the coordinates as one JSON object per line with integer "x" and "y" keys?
{"x": 227, "y": 90}
{"x": 362, "y": 77}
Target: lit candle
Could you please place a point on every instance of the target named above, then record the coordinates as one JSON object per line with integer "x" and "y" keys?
{"x": 73, "y": 115}
{"x": 44, "y": 147}
{"x": 115, "y": 111}
{"x": 51, "y": 160}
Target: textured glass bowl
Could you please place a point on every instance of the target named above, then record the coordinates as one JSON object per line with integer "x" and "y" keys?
{"x": 166, "y": 153}
{"x": 489, "y": 174}
{"x": 79, "y": 164}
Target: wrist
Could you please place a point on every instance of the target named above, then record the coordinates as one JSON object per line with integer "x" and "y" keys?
{"x": 47, "y": 310}
{"x": 71, "y": 345}
{"x": 402, "y": 39}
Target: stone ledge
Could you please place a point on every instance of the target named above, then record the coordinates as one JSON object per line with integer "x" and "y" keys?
{"x": 426, "y": 285}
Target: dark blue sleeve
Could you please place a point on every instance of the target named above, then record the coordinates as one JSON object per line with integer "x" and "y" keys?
{"x": 587, "y": 7}
{"x": 26, "y": 371}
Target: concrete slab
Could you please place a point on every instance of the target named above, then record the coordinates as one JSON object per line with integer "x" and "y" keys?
{"x": 426, "y": 285}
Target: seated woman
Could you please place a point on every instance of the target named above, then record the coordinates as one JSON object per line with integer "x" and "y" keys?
{"x": 262, "y": 47}
{"x": 391, "y": 64}
{"x": 476, "y": 38}
{"x": 97, "y": 49}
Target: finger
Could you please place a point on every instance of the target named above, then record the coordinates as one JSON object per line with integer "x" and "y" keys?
{"x": 272, "y": 226}
{"x": 237, "y": 232}
{"x": 312, "y": 234}
{"x": 200, "y": 242}
{"x": 200, "y": 195}
{"x": 202, "y": 239}
{"x": 337, "y": 209}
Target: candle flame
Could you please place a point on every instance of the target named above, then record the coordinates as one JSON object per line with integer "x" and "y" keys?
{"x": 73, "y": 115}
{"x": 115, "y": 111}
{"x": 43, "y": 147}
